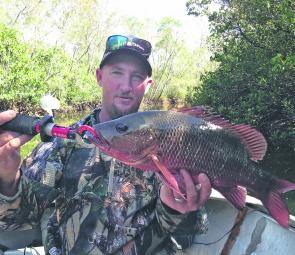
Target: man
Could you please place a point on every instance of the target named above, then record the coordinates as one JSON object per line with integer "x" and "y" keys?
{"x": 102, "y": 206}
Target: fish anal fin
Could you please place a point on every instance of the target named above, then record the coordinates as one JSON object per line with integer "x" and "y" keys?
{"x": 252, "y": 139}
{"x": 235, "y": 194}
{"x": 274, "y": 202}
{"x": 277, "y": 208}
{"x": 170, "y": 179}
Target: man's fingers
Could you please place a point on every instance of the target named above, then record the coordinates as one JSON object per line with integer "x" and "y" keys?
{"x": 196, "y": 194}
{"x": 17, "y": 142}
{"x": 191, "y": 193}
{"x": 189, "y": 184}
{"x": 6, "y": 136}
{"x": 6, "y": 116}
{"x": 205, "y": 189}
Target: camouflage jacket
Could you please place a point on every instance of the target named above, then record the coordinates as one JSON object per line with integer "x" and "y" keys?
{"x": 101, "y": 205}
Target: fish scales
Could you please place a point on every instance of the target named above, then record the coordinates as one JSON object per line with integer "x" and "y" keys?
{"x": 191, "y": 144}
{"x": 167, "y": 141}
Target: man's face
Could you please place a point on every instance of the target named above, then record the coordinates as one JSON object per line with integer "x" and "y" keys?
{"x": 124, "y": 81}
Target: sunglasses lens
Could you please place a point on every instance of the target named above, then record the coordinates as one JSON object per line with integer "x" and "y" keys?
{"x": 117, "y": 42}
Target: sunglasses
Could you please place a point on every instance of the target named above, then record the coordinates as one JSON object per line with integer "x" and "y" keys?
{"x": 116, "y": 42}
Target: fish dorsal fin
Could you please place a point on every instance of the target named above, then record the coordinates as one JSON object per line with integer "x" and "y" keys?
{"x": 253, "y": 140}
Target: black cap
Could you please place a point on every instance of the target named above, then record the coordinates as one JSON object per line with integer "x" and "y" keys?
{"x": 131, "y": 49}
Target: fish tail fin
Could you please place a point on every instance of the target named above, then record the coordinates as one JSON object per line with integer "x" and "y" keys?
{"x": 274, "y": 202}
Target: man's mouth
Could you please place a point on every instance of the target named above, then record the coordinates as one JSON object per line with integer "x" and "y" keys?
{"x": 125, "y": 99}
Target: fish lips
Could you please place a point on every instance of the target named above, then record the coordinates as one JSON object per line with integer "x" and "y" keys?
{"x": 106, "y": 146}
{"x": 100, "y": 141}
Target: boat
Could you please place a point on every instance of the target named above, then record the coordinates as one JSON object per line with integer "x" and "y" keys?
{"x": 251, "y": 231}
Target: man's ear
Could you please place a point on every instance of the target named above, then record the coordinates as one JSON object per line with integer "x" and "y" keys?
{"x": 149, "y": 82}
{"x": 98, "y": 76}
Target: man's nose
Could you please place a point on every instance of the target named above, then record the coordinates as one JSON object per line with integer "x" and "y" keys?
{"x": 125, "y": 84}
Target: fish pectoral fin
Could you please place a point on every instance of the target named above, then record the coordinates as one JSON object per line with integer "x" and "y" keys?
{"x": 235, "y": 194}
{"x": 169, "y": 177}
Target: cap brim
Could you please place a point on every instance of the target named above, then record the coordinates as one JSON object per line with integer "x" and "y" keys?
{"x": 107, "y": 56}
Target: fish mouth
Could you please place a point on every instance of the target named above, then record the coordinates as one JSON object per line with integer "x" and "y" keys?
{"x": 105, "y": 146}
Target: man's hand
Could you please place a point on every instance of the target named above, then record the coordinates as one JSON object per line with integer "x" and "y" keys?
{"x": 10, "y": 158}
{"x": 196, "y": 195}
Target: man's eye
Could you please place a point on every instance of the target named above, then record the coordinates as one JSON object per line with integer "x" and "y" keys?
{"x": 137, "y": 77}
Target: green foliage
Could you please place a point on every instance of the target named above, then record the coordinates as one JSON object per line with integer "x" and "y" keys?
{"x": 176, "y": 67}
{"x": 19, "y": 71}
{"x": 254, "y": 83}
{"x": 78, "y": 34}
{"x": 27, "y": 73}
{"x": 27, "y": 148}
{"x": 253, "y": 44}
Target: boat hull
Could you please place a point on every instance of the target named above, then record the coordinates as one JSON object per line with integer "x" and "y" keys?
{"x": 254, "y": 232}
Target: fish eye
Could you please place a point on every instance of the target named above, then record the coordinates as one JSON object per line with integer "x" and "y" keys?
{"x": 121, "y": 127}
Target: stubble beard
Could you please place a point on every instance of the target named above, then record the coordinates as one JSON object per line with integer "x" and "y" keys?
{"x": 117, "y": 113}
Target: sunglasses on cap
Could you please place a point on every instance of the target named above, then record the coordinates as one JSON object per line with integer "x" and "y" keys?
{"x": 116, "y": 42}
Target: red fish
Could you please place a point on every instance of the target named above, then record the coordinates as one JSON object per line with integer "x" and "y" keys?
{"x": 200, "y": 142}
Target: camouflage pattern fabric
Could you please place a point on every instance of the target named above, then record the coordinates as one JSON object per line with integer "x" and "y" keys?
{"x": 101, "y": 205}
{"x": 24, "y": 210}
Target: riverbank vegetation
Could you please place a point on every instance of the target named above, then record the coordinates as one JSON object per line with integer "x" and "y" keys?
{"x": 253, "y": 44}
{"x": 44, "y": 51}
{"x": 245, "y": 70}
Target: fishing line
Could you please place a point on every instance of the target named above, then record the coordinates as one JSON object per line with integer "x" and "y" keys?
{"x": 224, "y": 235}
{"x": 25, "y": 250}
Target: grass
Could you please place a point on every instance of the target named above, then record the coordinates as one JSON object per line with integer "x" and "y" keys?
{"x": 64, "y": 120}
{"x": 29, "y": 146}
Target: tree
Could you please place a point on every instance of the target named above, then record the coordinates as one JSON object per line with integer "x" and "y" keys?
{"x": 175, "y": 67}
{"x": 254, "y": 83}
{"x": 27, "y": 74}
{"x": 79, "y": 27}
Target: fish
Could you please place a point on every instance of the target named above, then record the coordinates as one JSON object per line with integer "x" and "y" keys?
{"x": 200, "y": 141}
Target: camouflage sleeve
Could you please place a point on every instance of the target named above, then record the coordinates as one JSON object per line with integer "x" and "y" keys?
{"x": 53, "y": 238}
{"x": 25, "y": 208}
{"x": 181, "y": 227}
{"x": 36, "y": 190}
{"x": 45, "y": 163}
